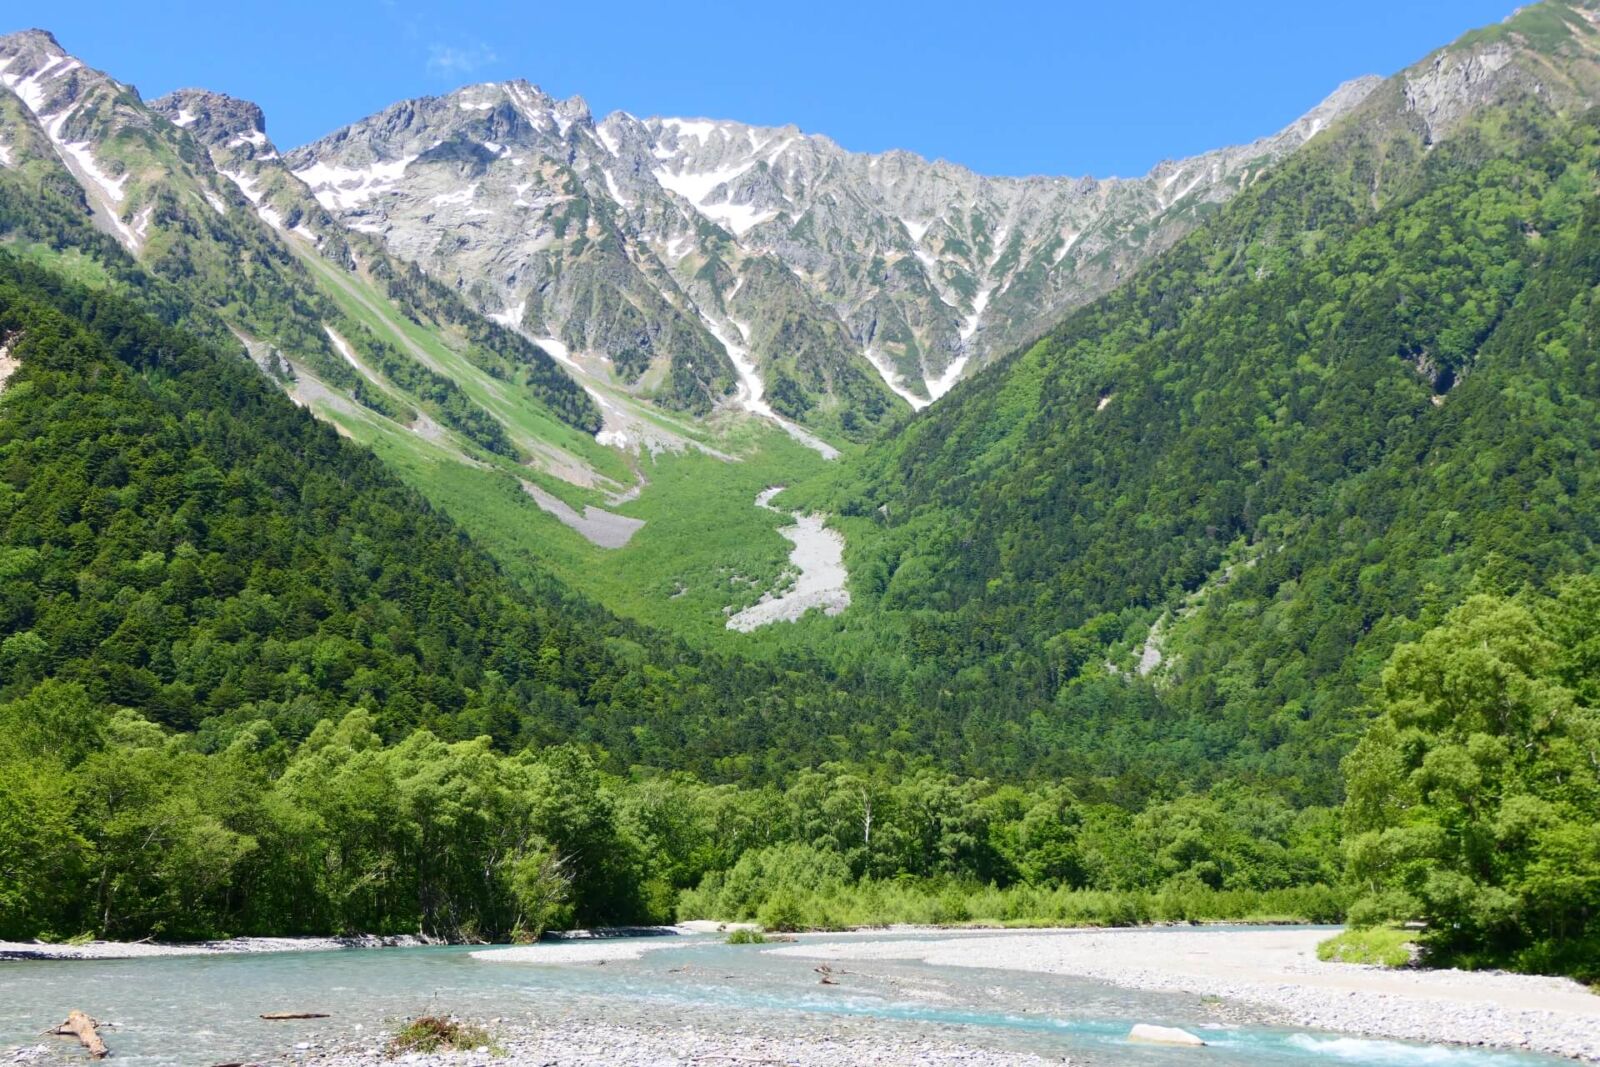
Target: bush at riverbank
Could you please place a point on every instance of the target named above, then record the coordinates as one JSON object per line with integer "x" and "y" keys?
{"x": 1377, "y": 946}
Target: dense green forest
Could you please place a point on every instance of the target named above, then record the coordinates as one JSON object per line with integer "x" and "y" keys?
{"x": 251, "y": 683}
{"x": 183, "y": 541}
{"x": 359, "y": 730}
{"x": 1474, "y": 798}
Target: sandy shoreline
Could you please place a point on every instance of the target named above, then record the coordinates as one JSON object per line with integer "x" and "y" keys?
{"x": 133, "y": 950}
{"x": 575, "y": 946}
{"x": 1277, "y": 968}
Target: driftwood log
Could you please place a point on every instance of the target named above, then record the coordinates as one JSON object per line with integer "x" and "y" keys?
{"x": 295, "y": 1015}
{"x": 86, "y": 1030}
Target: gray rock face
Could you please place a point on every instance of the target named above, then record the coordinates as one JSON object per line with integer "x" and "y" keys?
{"x": 838, "y": 285}
{"x": 234, "y": 135}
{"x": 67, "y": 112}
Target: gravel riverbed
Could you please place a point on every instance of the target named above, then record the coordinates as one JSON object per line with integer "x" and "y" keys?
{"x": 1277, "y": 968}
{"x": 602, "y": 1045}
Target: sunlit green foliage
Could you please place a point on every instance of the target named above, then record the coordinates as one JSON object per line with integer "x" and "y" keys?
{"x": 1474, "y": 798}
{"x": 1376, "y": 946}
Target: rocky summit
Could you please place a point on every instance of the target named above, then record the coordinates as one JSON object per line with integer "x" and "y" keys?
{"x": 837, "y": 287}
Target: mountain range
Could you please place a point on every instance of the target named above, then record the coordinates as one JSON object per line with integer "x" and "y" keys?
{"x": 823, "y": 275}
{"x": 694, "y": 263}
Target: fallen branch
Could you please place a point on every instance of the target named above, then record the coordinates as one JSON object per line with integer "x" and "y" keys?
{"x": 295, "y": 1015}
{"x": 83, "y": 1028}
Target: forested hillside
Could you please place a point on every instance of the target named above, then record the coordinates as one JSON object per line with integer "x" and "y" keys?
{"x": 1179, "y": 535}
{"x": 235, "y": 636}
{"x": 181, "y": 540}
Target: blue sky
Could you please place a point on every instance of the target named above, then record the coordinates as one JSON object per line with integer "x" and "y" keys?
{"x": 1003, "y": 87}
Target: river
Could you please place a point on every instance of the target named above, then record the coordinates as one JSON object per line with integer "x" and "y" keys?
{"x": 204, "y": 1009}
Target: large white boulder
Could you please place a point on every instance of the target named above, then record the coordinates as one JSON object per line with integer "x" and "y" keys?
{"x": 1163, "y": 1035}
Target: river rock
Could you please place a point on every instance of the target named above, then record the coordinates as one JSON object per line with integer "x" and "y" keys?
{"x": 1163, "y": 1035}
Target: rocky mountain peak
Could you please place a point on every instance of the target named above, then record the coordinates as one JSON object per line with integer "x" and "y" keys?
{"x": 76, "y": 110}
{"x": 34, "y": 39}
{"x": 213, "y": 118}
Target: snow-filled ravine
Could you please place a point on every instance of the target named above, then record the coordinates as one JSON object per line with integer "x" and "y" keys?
{"x": 817, "y": 556}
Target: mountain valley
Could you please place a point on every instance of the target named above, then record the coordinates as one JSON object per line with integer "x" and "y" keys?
{"x": 490, "y": 518}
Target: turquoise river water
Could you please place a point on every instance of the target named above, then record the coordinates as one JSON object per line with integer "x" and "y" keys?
{"x": 204, "y": 1009}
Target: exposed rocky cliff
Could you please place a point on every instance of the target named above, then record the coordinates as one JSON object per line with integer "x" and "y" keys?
{"x": 839, "y": 285}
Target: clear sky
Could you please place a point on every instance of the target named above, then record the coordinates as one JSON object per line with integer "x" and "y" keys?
{"x": 1004, "y": 87}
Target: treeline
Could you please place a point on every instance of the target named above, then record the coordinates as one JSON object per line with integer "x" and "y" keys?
{"x": 251, "y": 683}
{"x": 1474, "y": 798}
{"x": 1474, "y": 808}
{"x": 111, "y": 824}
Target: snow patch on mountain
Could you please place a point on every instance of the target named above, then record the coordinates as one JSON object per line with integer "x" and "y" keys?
{"x": 700, "y": 129}
{"x": 697, "y": 186}
{"x": 751, "y": 387}
{"x": 979, "y": 302}
{"x": 612, "y": 187}
{"x": 251, "y": 188}
{"x": 31, "y": 88}
{"x": 460, "y": 196}
{"x": 79, "y": 156}
{"x": 558, "y": 351}
{"x": 341, "y": 346}
{"x": 892, "y": 379}
{"x": 740, "y": 218}
{"x": 82, "y": 153}
{"x": 511, "y": 317}
{"x": 999, "y": 257}
{"x": 342, "y": 188}
{"x": 1068, "y": 239}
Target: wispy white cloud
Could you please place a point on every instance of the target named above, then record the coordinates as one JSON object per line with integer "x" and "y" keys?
{"x": 453, "y": 60}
